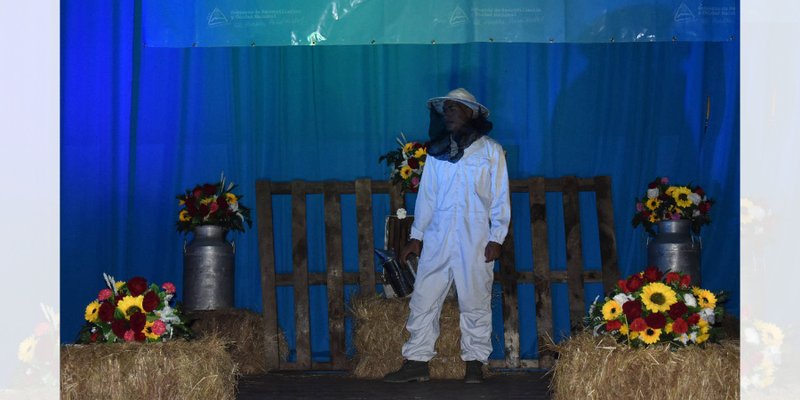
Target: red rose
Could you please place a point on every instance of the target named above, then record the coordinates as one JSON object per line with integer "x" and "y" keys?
{"x": 632, "y": 309}
{"x": 138, "y": 320}
{"x": 656, "y": 320}
{"x": 203, "y": 209}
{"x": 136, "y": 286}
{"x": 222, "y": 203}
{"x": 652, "y": 274}
{"x": 700, "y": 191}
{"x": 677, "y": 310}
{"x": 119, "y": 327}
{"x": 150, "y": 301}
{"x": 623, "y": 286}
{"x": 693, "y": 319}
{"x": 413, "y": 163}
{"x": 704, "y": 207}
{"x": 686, "y": 280}
{"x": 613, "y": 325}
{"x": 93, "y": 337}
{"x": 638, "y": 324}
{"x": 209, "y": 189}
{"x": 139, "y": 336}
{"x": 106, "y": 312}
{"x": 680, "y": 326}
{"x": 417, "y": 145}
{"x": 652, "y": 185}
{"x": 634, "y": 282}
{"x": 197, "y": 192}
{"x": 672, "y": 277}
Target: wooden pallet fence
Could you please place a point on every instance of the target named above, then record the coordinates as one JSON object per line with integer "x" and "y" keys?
{"x": 335, "y": 279}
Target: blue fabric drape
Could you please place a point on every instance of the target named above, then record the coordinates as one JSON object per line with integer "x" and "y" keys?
{"x": 140, "y": 125}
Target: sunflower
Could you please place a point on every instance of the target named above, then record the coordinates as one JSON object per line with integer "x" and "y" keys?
{"x": 118, "y": 285}
{"x": 408, "y": 147}
{"x": 705, "y": 298}
{"x": 420, "y": 152}
{"x": 231, "y": 198}
{"x": 208, "y": 200}
{"x": 91, "y": 311}
{"x": 668, "y": 328}
{"x": 771, "y": 334}
{"x": 669, "y": 190}
{"x": 611, "y": 310}
{"x": 681, "y": 196}
{"x": 653, "y": 203}
{"x": 658, "y": 297}
{"x": 405, "y": 171}
{"x": 130, "y": 305}
{"x": 27, "y": 349}
{"x": 653, "y": 218}
{"x": 184, "y": 216}
{"x": 650, "y": 335}
{"x": 148, "y": 331}
{"x": 623, "y": 330}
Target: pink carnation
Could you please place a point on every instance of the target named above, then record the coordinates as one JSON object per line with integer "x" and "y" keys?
{"x": 676, "y": 216}
{"x": 664, "y": 180}
{"x": 415, "y": 181}
{"x": 129, "y": 336}
{"x": 104, "y": 294}
{"x": 639, "y": 207}
{"x": 169, "y": 287}
{"x": 158, "y": 327}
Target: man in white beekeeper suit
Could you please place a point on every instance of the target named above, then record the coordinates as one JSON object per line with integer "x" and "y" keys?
{"x": 462, "y": 215}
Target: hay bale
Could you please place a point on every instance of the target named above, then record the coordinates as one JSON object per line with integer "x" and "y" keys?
{"x": 178, "y": 369}
{"x": 599, "y": 368}
{"x": 380, "y": 333}
{"x": 244, "y": 332}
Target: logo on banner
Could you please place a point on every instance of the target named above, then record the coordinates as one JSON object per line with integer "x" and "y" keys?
{"x": 217, "y": 18}
{"x": 683, "y": 13}
{"x": 458, "y": 17}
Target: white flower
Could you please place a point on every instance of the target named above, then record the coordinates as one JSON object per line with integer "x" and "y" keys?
{"x": 695, "y": 213}
{"x": 401, "y": 213}
{"x": 652, "y": 193}
{"x": 707, "y": 314}
{"x": 751, "y": 336}
{"x": 684, "y": 338}
{"x": 694, "y": 197}
{"x": 622, "y": 298}
{"x": 689, "y": 299}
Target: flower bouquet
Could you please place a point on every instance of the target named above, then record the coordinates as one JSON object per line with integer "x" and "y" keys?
{"x": 212, "y": 204}
{"x": 407, "y": 163}
{"x": 133, "y": 311}
{"x": 663, "y": 201}
{"x": 651, "y": 308}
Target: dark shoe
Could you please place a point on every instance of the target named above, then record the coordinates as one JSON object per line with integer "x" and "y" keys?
{"x": 410, "y": 371}
{"x": 474, "y": 372}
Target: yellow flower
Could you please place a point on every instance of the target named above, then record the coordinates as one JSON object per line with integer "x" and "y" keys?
{"x": 184, "y": 216}
{"x": 623, "y": 330}
{"x": 408, "y": 147}
{"x": 669, "y": 190}
{"x": 653, "y": 218}
{"x": 231, "y": 198}
{"x": 91, "y": 311}
{"x": 702, "y": 338}
{"x": 148, "y": 330}
{"x": 420, "y": 152}
{"x": 27, "y": 349}
{"x": 130, "y": 305}
{"x": 771, "y": 334}
{"x": 633, "y": 335}
{"x": 118, "y": 285}
{"x": 653, "y": 203}
{"x": 650, "y": 335}
{"x": 208, "y": 200}
{"x": 405, "y": 171}
{"x": 181, "y": 202}
{"x": 704, "y": 326}
{"x": 705, "y": 298}
{"x": 668, "y": 328}
{"x": 681, "y": 196}
{"x": 658, "y": 297}
{"x": 611, "y": 310}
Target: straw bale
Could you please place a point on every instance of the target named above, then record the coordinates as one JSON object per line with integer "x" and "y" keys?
{"x": 243, "y": 330}
{"x": 380, "y": 333}
{"x": 178, "y": 369}
{"x": 598, "y": 368}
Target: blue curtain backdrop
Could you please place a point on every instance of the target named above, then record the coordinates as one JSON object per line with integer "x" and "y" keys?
{"x": 140, "y": 125}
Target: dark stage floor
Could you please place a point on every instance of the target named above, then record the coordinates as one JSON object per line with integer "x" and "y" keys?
{"x": 323, "y": 386}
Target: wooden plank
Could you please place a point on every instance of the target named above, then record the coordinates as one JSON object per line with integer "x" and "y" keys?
{"x": 555, "y": 277}
{"x": 366, "y": 236}
{"x": 396, "y": 199}
{"x": 397, "y": 233}
{"x": 333, "y": 255}
{"x": 605, "y": 224}
{"x": 266, "y": 253}
{"x": 508, "y": 274}
{"x": 572, "y": 230}
{"x": 541, "y": 269}
{"x": 300, "y": 274}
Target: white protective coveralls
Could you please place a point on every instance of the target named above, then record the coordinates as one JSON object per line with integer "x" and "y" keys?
{"x": 460, "y": 207}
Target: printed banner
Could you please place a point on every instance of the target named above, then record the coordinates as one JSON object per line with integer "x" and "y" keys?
{"x": 212, "y": 23}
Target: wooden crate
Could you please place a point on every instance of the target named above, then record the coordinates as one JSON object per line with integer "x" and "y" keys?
{"x": 335, "y": 278}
